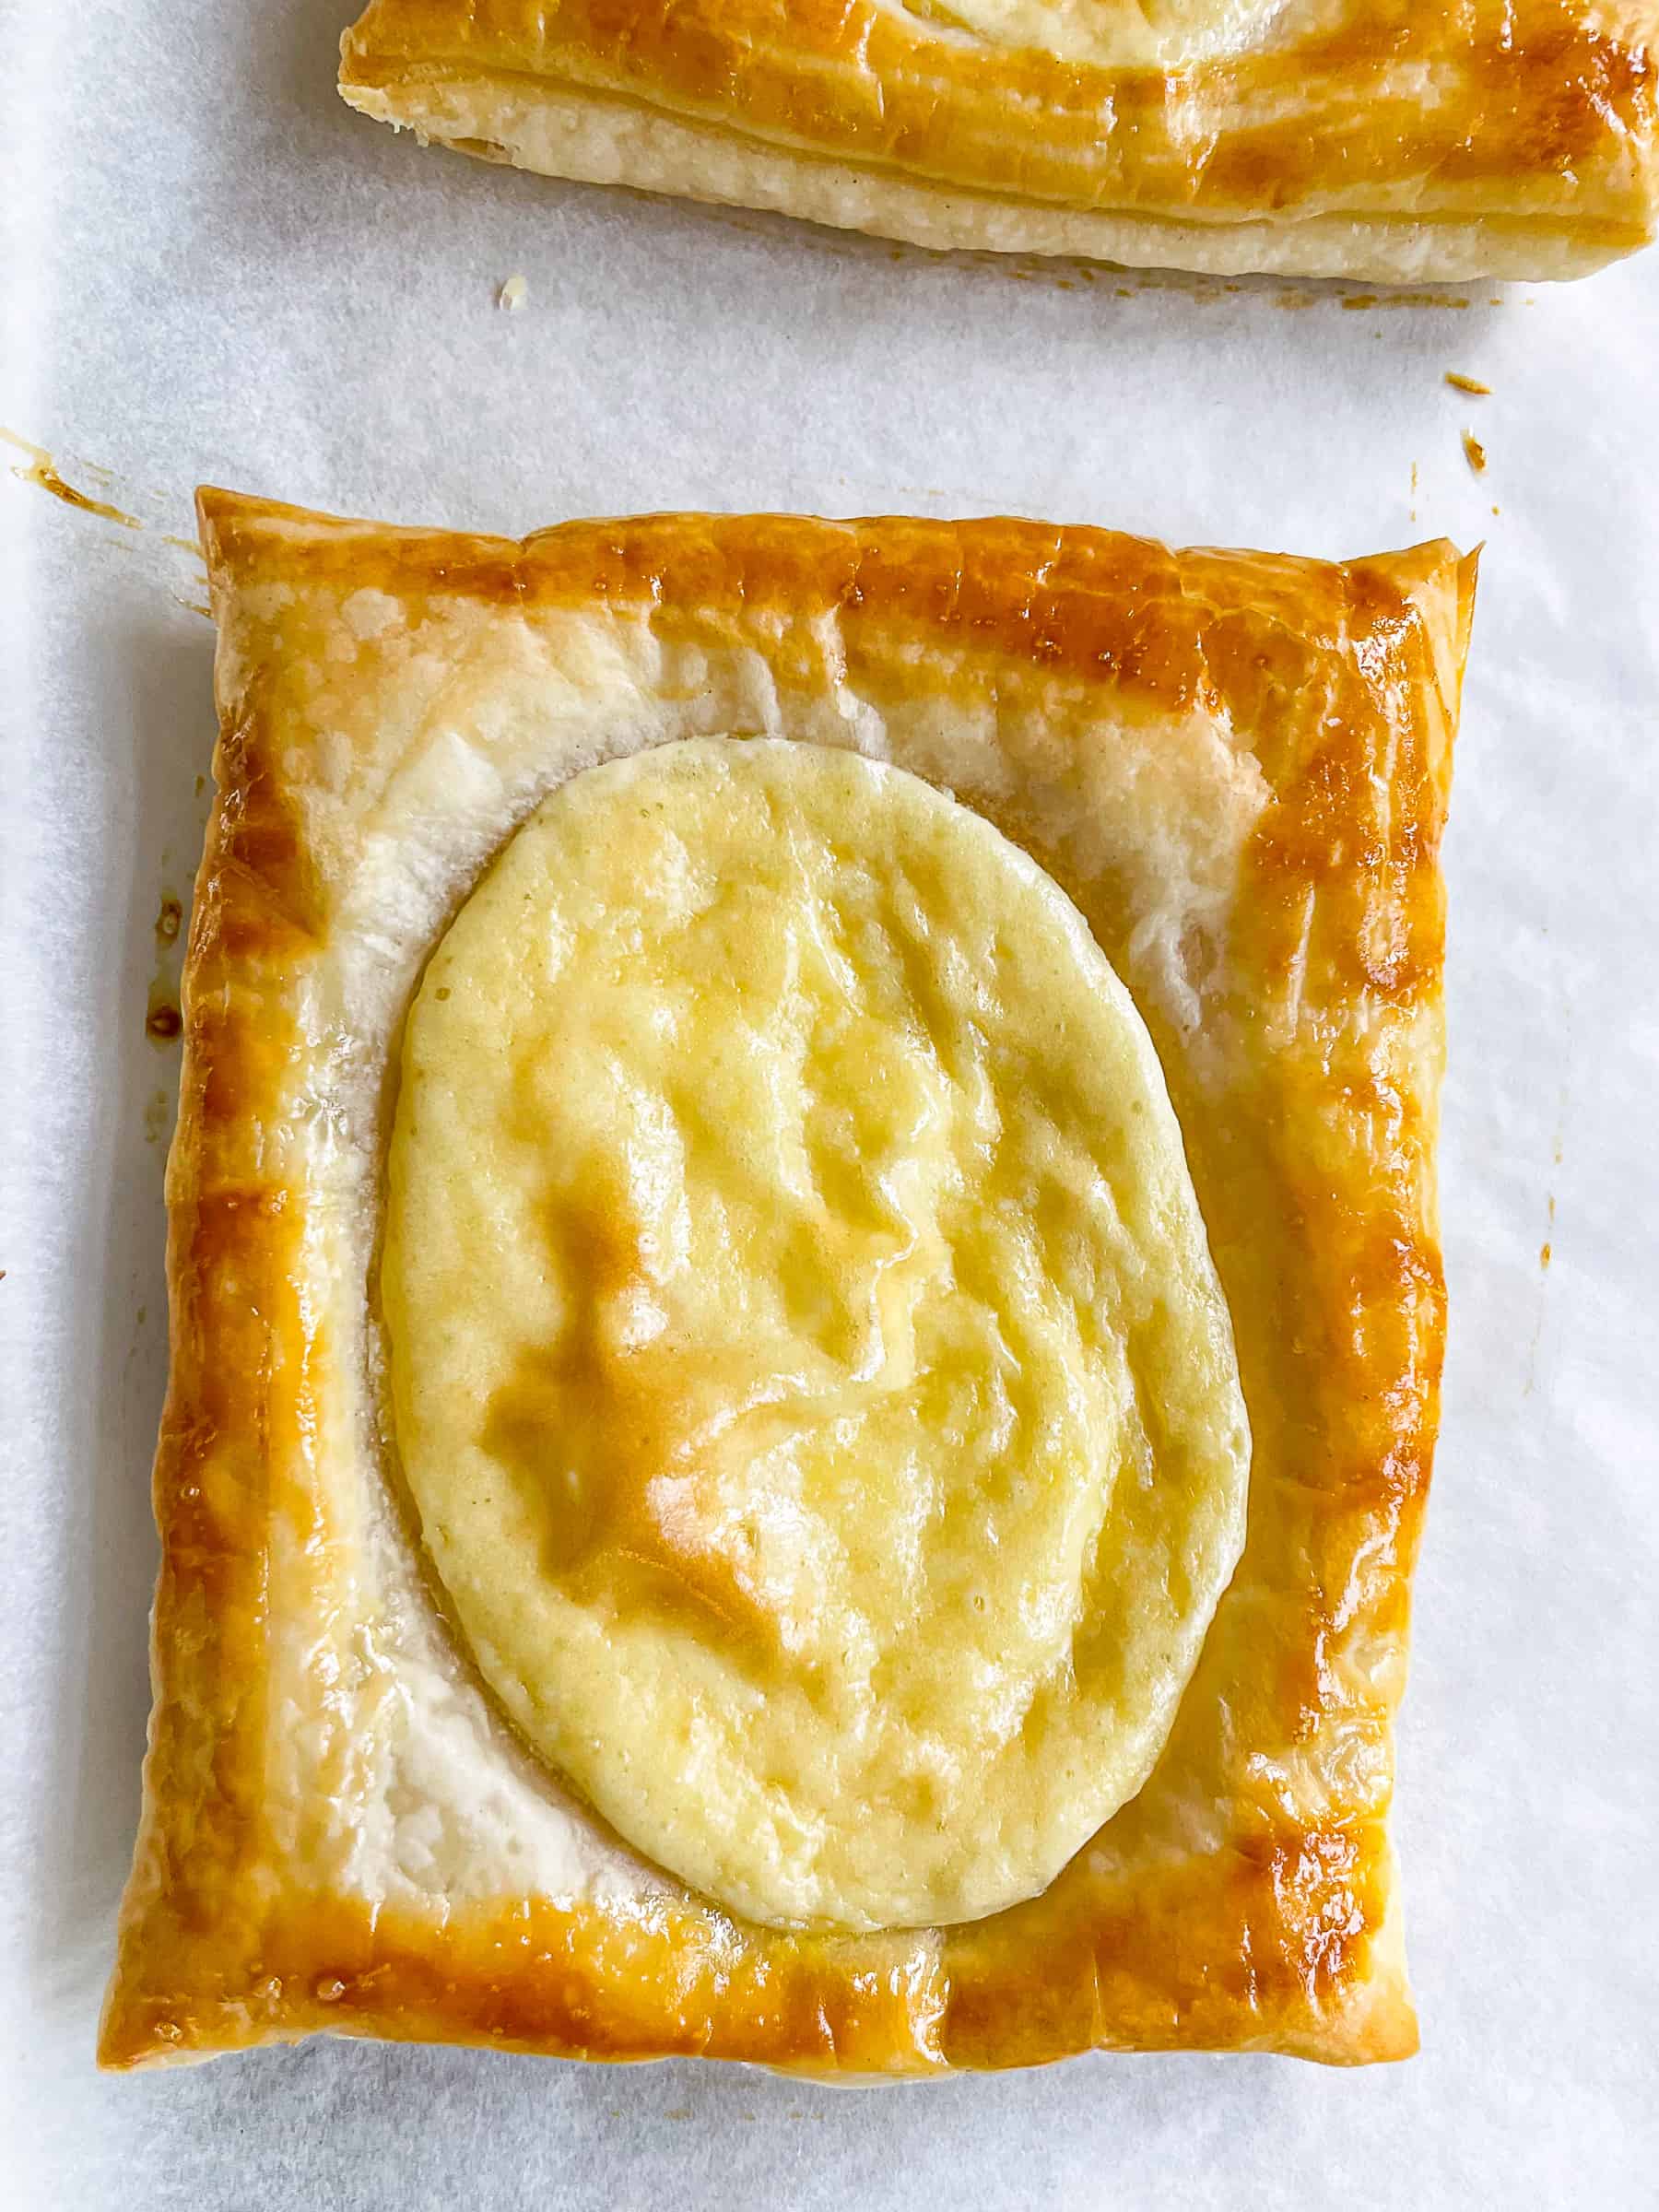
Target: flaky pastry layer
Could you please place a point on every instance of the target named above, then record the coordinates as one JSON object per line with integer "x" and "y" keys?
{"x": 1237, "y": 766}
{"x": 1401, "y": 143}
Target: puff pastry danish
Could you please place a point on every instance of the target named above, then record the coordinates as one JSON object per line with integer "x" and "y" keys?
{"x": 1401, "y": 142}
{"x": 773, "y": 1111}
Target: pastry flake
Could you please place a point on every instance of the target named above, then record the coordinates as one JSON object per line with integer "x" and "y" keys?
{"x": 1235, "y": 767}
{"x": 1406, "y": 142}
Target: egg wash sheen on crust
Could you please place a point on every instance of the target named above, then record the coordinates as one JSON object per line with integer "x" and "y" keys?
{"x": 806, "y": 1356}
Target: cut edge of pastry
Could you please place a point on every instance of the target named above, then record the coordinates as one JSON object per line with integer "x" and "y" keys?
{"x": 568, "y": 131}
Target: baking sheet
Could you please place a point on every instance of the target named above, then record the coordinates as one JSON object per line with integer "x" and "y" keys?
{"x": 212, "y": 270}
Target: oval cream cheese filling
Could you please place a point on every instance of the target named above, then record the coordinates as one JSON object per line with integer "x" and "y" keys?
{"x": 806, "y": 1360}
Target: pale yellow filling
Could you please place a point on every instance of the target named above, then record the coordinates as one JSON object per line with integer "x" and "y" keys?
{"x": 807, "y": 1358}
{"x": 1111, "y": 34}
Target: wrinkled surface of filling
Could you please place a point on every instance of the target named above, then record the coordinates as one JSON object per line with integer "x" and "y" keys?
{"x": 806, "y": 1356}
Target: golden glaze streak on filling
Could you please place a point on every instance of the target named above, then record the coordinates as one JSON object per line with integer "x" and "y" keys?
{"x": 807, "y": 1357}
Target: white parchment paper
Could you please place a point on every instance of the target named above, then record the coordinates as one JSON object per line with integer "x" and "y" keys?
{"x": 211, "y": 270}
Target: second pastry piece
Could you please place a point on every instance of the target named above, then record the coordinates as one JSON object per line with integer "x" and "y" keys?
{"x": 1405, "y": 142}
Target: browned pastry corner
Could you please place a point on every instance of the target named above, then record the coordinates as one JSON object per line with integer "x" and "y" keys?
{"x": 332, "y": 1801}
{"x": 1404, "y": 143}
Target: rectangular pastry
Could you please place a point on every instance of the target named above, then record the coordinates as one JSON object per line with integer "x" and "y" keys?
{"x": 806, "y": 1306}
{"x": 1408, "y": 142}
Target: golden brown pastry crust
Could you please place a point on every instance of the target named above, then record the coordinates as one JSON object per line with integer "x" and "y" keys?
{"x": 1405, "y": 142}
{"x": 1245, "y": 1900}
